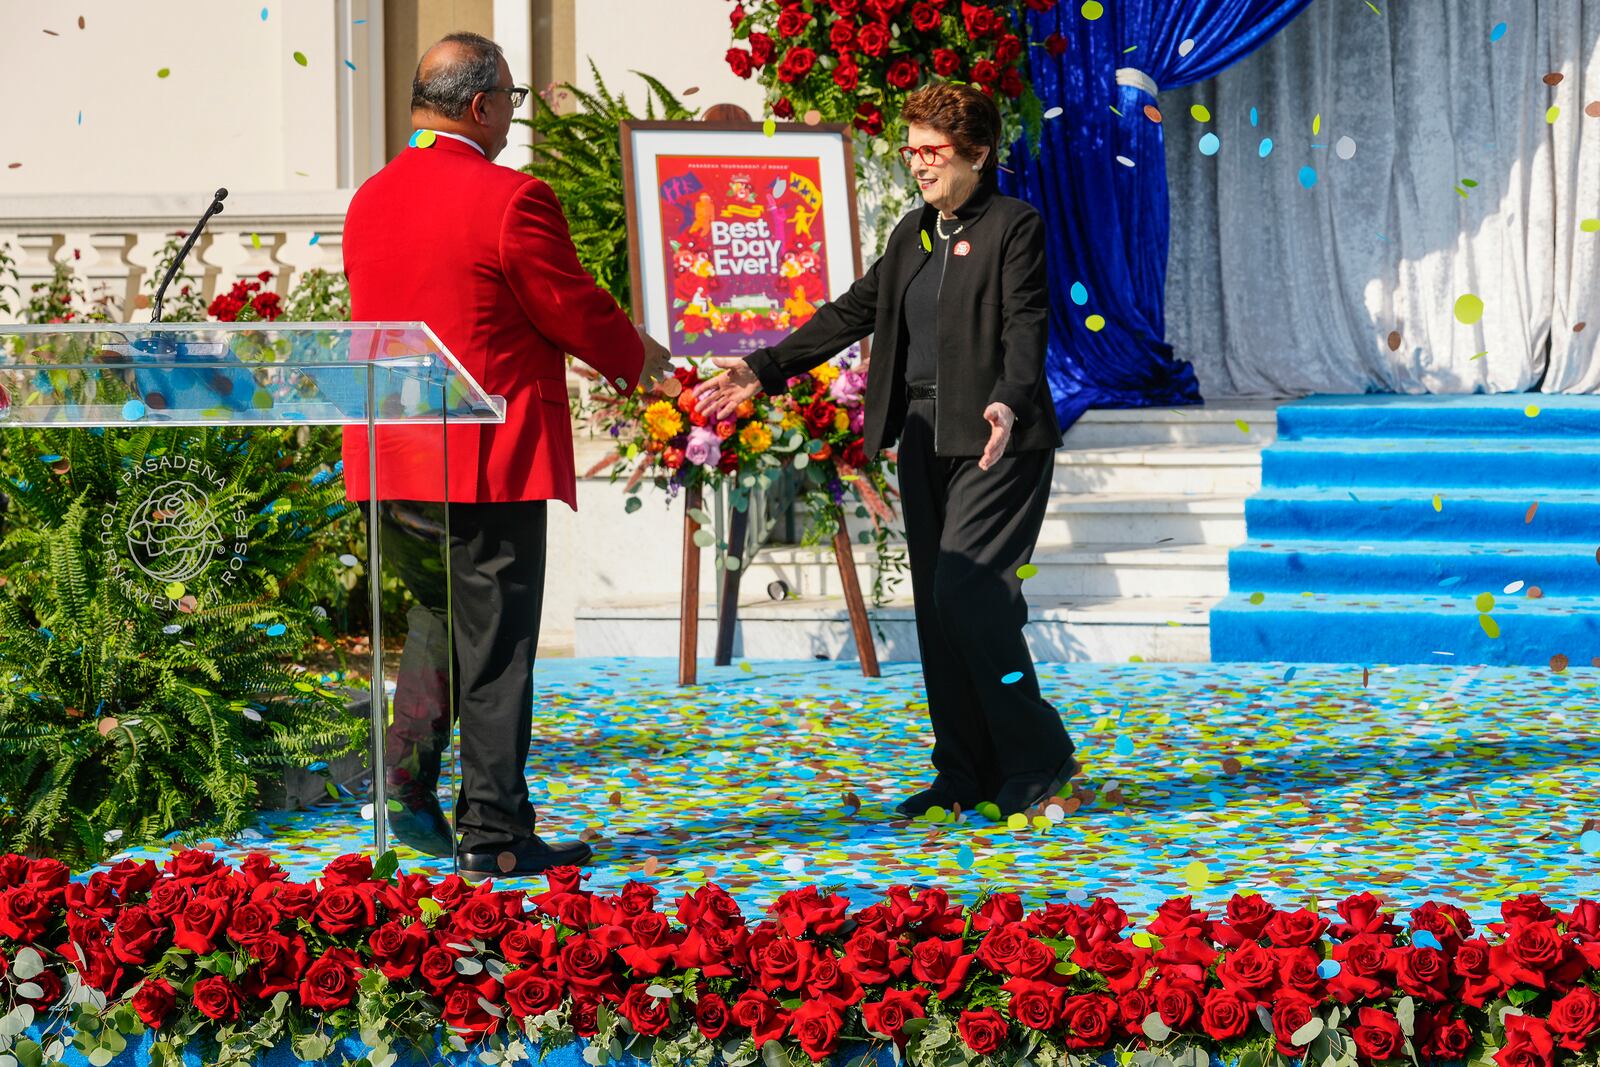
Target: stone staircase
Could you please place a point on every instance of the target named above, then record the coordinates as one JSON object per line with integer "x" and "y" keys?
{"x": 1132, "y": 556}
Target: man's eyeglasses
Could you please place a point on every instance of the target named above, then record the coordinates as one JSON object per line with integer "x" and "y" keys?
{"x": 929, "y": 153}
{"x": 517, "y": 93}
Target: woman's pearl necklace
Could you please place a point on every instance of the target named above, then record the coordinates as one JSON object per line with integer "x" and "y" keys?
{"x": 938, "y": 224}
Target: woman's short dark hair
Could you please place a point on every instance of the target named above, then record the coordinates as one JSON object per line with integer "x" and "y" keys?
{"x": 962, "y": 113}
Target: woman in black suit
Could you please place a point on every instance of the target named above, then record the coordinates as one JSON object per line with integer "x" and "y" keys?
{"x": 959, "y": 380}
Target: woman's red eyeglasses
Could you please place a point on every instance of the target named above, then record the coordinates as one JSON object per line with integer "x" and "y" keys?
{"x": 928, "y": 152}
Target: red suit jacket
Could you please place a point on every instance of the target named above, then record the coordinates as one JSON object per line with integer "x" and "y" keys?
{"x": 480, "y": 253}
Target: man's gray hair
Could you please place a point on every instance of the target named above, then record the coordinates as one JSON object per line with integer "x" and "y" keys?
{"x": 451, "y": 84}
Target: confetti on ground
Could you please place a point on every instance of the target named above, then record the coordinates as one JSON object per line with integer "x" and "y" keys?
{"x": 1448, "y": 782}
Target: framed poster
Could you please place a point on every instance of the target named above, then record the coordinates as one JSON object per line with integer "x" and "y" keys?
{"x": 735, "y": 238}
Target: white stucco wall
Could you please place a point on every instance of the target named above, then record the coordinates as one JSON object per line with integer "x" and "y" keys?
{"x": 681, "y": 42}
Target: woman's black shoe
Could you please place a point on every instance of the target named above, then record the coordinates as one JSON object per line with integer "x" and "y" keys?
{"x": 532, "y": 856}
{"x": 1028, "y": 791}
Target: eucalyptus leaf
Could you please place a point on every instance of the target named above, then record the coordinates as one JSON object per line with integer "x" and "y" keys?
{"x": 1154, "y": 1028}
{"x": 699, "y": 516}
{"x": 30, "y": 991}
{"x": 704, "y": 539}
{"x": 28, "y": 1053}
{"x": 469, "y": 966}
{"x": 800, "y": 461}
{"x": 1307, "y": 1033}
{"x": 632, "y": 504}
{"x": 28, "y": 964}
{"x": 1406, "y": 1013}
{"x": 100, "y": 1057}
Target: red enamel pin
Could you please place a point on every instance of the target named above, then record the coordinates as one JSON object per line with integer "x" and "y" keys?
{"x": 962, "y": 248}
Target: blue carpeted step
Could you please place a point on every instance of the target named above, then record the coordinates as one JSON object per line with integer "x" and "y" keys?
{"x": 1322, "y": 628}
{"x": 1409, "y": 514}
{"x": 1500, "y": 415}
{"x": 1419, "y": 567}
{"x": 1433, "y": 465}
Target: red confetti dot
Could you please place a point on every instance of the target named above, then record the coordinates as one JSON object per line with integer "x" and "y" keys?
{"x": 1558, "y": 663}
{"x": 1553, "y": 78}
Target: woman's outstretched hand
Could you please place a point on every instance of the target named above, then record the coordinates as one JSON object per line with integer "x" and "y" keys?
{"x": 721, "y": 395}
{"x": 1000, "y": 419}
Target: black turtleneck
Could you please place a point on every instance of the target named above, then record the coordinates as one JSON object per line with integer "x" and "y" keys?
{"x": 920, "y": 312}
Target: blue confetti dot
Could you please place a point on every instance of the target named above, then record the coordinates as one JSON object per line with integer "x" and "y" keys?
{"x": 1450, "y": 581}
{"x": 1217, "y": 799}
{"x": 317, "y": 767}
{"x": 1123, "y": 746}
{"x": 316, "y": 237}
{"x": 51, "y": 458}
{"x": 964, "y": 856}
{"x": 1590, "y": 842}
{"x": 349, "y": 64}
{"x": 1080, "y": 294}
{"x": 133, "y": 410}
{"x": 1210, "y": 144}
{"x": 80, "y": 118}
{"x": 1012, "y": 678}
{"x": 1288, "y": 675}
{"x": 1266, "y": 147}
{"x": 277, "y": 629}
{"x": 263, "y": 14}
{"x": 1328, "y": 969}
{"x": 1308, "y": 176}
{"x": 1255, "y": 117}
{"x": 1425, "y": 939}
{"x": 1498, "y": 32}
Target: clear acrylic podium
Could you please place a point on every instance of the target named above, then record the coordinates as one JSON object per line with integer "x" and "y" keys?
{"x": 155, "y": 438}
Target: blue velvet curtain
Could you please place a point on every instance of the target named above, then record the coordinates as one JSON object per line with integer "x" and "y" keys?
{"x": 1108, "y": 221}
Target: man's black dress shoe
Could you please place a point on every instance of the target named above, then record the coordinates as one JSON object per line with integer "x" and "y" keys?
{"x": 1027, "y": 791}
{"x": 937, "y": 795}
{"x": 526, "y": 857}
{"x": 416, "y": 819}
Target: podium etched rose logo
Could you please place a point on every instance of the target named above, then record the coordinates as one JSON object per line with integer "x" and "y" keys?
{"x": 183, "y": 540}
{"x": 174, "y": 534}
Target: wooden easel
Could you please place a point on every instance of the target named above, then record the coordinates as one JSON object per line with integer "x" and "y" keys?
{"x": 728, "y": 597}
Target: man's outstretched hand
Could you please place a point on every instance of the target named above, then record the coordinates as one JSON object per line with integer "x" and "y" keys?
{"x": 657, "y": 362}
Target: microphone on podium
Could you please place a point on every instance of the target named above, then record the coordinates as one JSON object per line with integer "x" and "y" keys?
{"x": 177, "y": 260}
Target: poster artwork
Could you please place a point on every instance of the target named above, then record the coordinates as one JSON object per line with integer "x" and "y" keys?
{"x": 745, "y": 250}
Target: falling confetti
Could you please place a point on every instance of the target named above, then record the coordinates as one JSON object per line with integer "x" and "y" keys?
{"x": 1590, "y": 225}
{"x": 1533, "y": 509}
{"x": 1054, "y": 113}
{"x": 1498, "y": 32}
{"x": 163, "y": 72}
{"x": 300, "y": 58}
{"x": 1200, "y": 113}
{"x": 1092, "y": 9}
{"x": 1490, "y": 627}
{"x": 813, "y": 117}
{"x": 1345, "y": 148}
{"x": 1244, "y": 427}
{"x": 1438, "y": 503}
{"x": 1532, "y": 411}
{"x": 1125, "y": 161}
{"x": 263, "y": 14}
{"x": 1152, "y": 113}
{"x": 1552, "y": 113}
{"x": 1026, "y": 571}
{"x": 1593, "y": 110}
{"x": 1265, "y": 148}
{"x": 1185, "y": 46}
{"x": 1257, "y": 598}
{"x": 1558, "y": 663}
{"x": 1308, "y": 177}
{"x": 927, "y": 242}
{"x": 1469, "y": 309}
{"x": 1011, "y": 678}
{"x": 1210, "y": 144}
{"x": 1316, "y": 125}
{"x": 1395, "y": 340}
{"x": 1079, "y": 293}
{"x": 1095, "y": 323}
{"x": 769, "y": 127}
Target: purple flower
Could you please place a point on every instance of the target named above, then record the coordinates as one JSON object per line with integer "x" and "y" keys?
{"x": 704, "y": 448}
{"x": 858, "y": 419}
{"x": 848, "y": 387}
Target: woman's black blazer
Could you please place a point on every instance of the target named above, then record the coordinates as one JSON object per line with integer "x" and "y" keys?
{"x": 992, "y": 329}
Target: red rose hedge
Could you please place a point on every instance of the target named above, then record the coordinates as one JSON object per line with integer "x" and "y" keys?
{"x": 247, "y": 958}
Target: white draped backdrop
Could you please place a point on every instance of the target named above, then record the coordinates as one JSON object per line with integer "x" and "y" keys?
{"x": 1277, "y": 290}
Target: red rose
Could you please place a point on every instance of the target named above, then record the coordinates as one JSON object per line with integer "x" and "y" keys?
{"x": 127, "y": 878}
{"x": 924, "y": 16}
{"x": 985, "y": 73}
{"x": 98, "y": 967}
{"x": 352, "y": 869}
{"x": 1041, "y": 6}
{"x": 1362, "y": 914}
{"x": 464, "y": 1013}
{"x": 1178, "y": 1002}
{"x": 1363, "y": 970}
{"x": 586, "y": 964}
{"x": 1011, "y": 83}
{"x": 1122, "y": 962}
{"x": 1529, "y": 907}
{"x": 154, "y": 1002}
{"x": 527, "y": 944}
{"x": 761, "y": 49}
{"x": 779, "y": 962}
{"x": 842, "y": 37}
{"x": 941, "y": 964}
{"x": 199, "y": 926}
{"x": 527, "y": 994}
{"x": 1575, "y": 1017}
{"x": 1002, "y": 948}
{"x": 14, "y": 869}
{"x": 1529, "y": 1043}
{"x": 1133, "y": 1007}
{"x": 1292, "y": 929}
{"x": 740, "y": 61}
{"x": 139, "y": 936}
{"x": 49, "y": 990}
{"x": 1422, "y": 972}
{"x": 1226, "y": 1015}
{"x": 844, "y": 8}
{"x": 1535, "y": 954}
{"x": 946, "y": 64}
{"x": 1007, "y": 49}
{"x": 343, "y": 910}
{"x": 887, "y": 1017}
{"x": 761, "y": 1015}
{"x": 1055, "y": 44}
{"x": 829, "y": 981}
{"x": 217, "y": 998}
{"x": 903, "y": 73}
{"x": 191, "y": 865}
{"x": 783, "y": 109}
{"x": 481, "y": 917}
{"x": 1247, "y": 918}
{"x": 711, "y": 1015}
{"x": 869, "y": 120}
{"x": 331, "y": 981}
{"x": 647, "y": 1015}
{"x": 981, "y": 21}
{"x": 280, "y": 963}
{"x": 846, "y": 75}
{"x": 983, "y": 1031}
{"x": 1478, "y": 982}
{"x": 294, "y": 900}
{"x": 1036, "y": 1005}
{"x": 1583, "y": 920}
{"x": 1089, "y": 1019}
{"x": 24, "y": 914}
{"x": 873, "y": 39}
{"x": 252, "y": 921}
{"x": 437, "y": 969}
{"x": 396, "y": 949}
{"x": 1297, "y": 969}
{"x": 1377, "y": 1036}
{"x": 792, "y": 22}
{"x": 872, "y": 959}
{"x": 1441, "y": 1037}
{"x": 816, "y": 1025}
{"x": 1291, "y": 1011}
{"x": 796, "y": 64}
{"x": 855, "y": 455}
{"x": 736, "y": 16}
{"x": 1178, "y": 918}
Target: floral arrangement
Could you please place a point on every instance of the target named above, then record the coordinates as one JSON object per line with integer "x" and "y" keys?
{"x": 247, "y": 301}
{"x": 856, "y": 61}
{"x": 244, "y": 959}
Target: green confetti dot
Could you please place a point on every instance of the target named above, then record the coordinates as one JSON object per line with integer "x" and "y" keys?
{"x": 300, "y": 58}
{"x": 163, "y": 72}
{"x": 1551, "y": 115}
{"x": 1485, "y": 602}
{"x": 1026, "y": 571}
{"x": 1095, "y": 323}
{"x": 1490, "y": 627}
{"x": 1256, "y": 598}
{"x": 1200, "y": 113}
{"x": 1092, "y": 9}
{"x": 769, "y": 127}
{"x": 927, "y": 242}
{"x": 175, "y": 590}
{"x": 1590, "y": 225}
{"x": 1469, "y": 309}
{"x": 425, "y": 138}
{"x": 1017, "y": 821}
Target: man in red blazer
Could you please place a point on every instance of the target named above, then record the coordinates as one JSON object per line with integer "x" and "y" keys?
{"x": 481, "y": 253}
